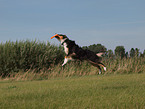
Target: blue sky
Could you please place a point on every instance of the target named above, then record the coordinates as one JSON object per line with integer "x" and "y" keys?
{"x": 109, "y": 22}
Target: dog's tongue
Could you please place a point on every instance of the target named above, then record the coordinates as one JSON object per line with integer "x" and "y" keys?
{"x": 54, "y": 36}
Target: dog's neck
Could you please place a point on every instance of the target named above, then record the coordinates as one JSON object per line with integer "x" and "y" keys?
{"x": 63, "y": 41}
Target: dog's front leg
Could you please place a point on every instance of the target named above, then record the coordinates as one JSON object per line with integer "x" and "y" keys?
{"x": 67, "y": 58}
{"x": 65, "y": 61}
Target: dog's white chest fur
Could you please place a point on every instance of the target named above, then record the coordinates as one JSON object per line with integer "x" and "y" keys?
{"x": 65, "y": 48}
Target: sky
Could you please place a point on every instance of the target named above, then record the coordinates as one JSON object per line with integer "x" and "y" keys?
{"x": 108, "y": 22}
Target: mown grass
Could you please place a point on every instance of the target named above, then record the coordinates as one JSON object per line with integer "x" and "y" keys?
{"x": 92, "y": 92}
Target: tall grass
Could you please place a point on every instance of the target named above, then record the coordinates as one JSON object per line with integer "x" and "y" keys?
{"x": 126, "y": 65}
{"x": 25, "y": 55}
{"x": 28, "y": 60}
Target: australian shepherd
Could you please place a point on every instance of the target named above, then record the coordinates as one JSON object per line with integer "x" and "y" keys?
{"x": 74, "y": 52}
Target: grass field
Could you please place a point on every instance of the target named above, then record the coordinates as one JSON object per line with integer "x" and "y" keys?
{"x": 86, "y": 92}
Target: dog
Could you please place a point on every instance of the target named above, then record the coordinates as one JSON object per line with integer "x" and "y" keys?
{"x": 74, "y": 52}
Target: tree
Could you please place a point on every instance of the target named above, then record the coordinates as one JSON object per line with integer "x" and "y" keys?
{"x": 110, "y": 54}
{"x": 142, "y": 54}
{"x": 126, "y": 54}
{"x": 96, "y": 48}
{"x": 132, "y": 52}
{"x": 120, "y": 51}
{"x": 136, "y": 52}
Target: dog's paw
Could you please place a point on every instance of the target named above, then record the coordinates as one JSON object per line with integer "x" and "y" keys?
{"x": 62, "y": 64}
{"x": 105, "y": 68}
{"x": 100, "y": 72}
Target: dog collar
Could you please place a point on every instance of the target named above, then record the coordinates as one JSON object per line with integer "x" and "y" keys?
{"x": 63, "y": 41}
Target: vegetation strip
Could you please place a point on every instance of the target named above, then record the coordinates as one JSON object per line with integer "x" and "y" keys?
{"x": 33, "y": 60}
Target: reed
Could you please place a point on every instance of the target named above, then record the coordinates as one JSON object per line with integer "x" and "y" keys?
{"x": 25, "y": 55}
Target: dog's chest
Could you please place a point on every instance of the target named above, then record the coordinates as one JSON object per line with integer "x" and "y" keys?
{"x": 66, "y": 49}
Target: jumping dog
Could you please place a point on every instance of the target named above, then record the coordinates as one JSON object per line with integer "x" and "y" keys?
{"x": 73, "y": 52}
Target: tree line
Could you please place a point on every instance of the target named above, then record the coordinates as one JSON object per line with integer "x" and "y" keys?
{"x": 119, "y": 51}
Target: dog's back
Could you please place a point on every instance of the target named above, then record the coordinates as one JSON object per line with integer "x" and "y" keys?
{"x": 92, "y": 56}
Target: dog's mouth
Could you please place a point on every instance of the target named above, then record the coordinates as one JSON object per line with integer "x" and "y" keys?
{"x": 59, "y": 37}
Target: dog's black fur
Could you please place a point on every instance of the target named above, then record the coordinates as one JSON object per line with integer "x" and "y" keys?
{"x": 81, "y": 54}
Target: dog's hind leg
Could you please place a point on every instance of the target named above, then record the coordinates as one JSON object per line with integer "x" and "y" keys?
{"x": 102, "y": 65}
{"x": 99, "y": 69}
{"x": 96, "y": 65}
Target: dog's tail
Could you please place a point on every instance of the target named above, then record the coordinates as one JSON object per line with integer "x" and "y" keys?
{"x": 100, "y": 54}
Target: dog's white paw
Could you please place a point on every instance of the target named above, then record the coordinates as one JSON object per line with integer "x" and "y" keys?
{"x": 100, "y": 72}
{"x": 105, "y": 68}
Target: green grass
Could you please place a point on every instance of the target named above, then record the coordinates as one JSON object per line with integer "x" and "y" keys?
{"x": 86, "y": 92}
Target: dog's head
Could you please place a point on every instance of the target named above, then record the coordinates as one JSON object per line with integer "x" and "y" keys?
{"x": 60, "y": 37}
